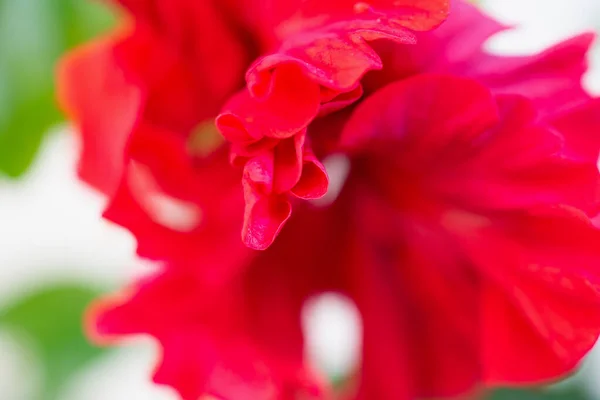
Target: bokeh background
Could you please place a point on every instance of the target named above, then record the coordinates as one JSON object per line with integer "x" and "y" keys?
{"x": 56, "y": 253}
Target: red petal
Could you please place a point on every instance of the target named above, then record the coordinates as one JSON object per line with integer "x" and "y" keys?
{"x": 426, "y": 111}
{"x": 263, "y": 221}
{"x": 544, "y": 295}
{"x": 460, "y": 153}
{"x": 286, "y": 106}
{"x": 219, "y": 340}
{"x": 288, "y": 163}
{"x": 314, "y": 182}
{"x": 581, "y": 129}
{"x": 417, "y": 15}
{"x": 162, "y": 169}
{"x": 552, "y": 78}
{"x": 186, "y": 74}
{"x": 341, "y": 30}
{"x": 454, "y": 48}
{"x": 104, "y": 106}
{"x": 334, "y": 101}
{"x": 407, "y": 294}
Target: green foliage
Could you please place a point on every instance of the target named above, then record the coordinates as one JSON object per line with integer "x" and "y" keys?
{"x": 570, "y": 393}
{"x": 51, "y": 319}
{"x": 33, "y": 36}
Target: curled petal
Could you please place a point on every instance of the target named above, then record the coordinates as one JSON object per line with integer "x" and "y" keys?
{"x": 348, "y": 59}
{"x": 417, "y": 15}
{"x": 266, "y": 212}
{"x": 264, "y": 219}
{"x": 269, "y": 179}
{"x": 314, "y": 182}
{"x": 287, "y": 106}
{"x": 333, "y": 101}
{"x": 340, "y": 29}
{"x": 259, "y": 174}
{"x": 241, "y": 153}
{"x": 288, "y": 163}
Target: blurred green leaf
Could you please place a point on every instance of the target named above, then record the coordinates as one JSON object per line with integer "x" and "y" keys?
{"x": 33, "y": 36}
{"x": 571, "y": 393}
{"x": 51, "y": 319}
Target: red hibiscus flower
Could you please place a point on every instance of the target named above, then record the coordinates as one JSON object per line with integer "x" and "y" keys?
{"x": 462, "y": 231}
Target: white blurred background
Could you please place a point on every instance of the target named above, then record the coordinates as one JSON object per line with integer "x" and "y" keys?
{"x": 50, "y": 230}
